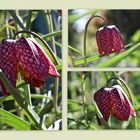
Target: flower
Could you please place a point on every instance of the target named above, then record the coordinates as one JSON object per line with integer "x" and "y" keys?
{"x": 114, "y": 101}
{"x": 109, "y": 40}
{"x": 8, "y": 64}
{"x": 26, "y": 55}
{"x": 35, "y": 64}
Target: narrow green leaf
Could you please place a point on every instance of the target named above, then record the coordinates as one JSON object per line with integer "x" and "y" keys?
{"x": 20, "y": 84}
{"x": 56, "y": 42}
{"x": 75, "y": 50}
{"x": 6, "y": 26}
{"x": 136, "y": 107}
{"x": 28, "y": 21}
{"x": 35, "y": 96}
{"x": 119, "y": 57}
{"x": 56, "y": 33}
{"x": 13, "y": 14}
{"x": 34, "y": 118}
{"x": 59, "y": 67}
{"x": 90, "y": 59}
{"x": 14, "y": 121}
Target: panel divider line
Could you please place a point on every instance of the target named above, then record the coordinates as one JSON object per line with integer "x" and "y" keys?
{"x": 103, "y": 69}
{"x": 64, "y": 68}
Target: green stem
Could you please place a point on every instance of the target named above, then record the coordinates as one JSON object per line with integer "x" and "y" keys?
{"x": 114, "y": 60}
{"x": 43, "y": 41}
{"x": 45, "y": 109}
{"x": 28, "y": 21}
{"x": 56, "y": 85}
{"x": 15, "y": 17}
{"x": 22, "y": 103}
{"x": 56, "y": 81}
{"x": 28, "y": 94}
{"x": 83, "y": 96}
{"x": 56, "y": 33}
{"x": 50, "y": 26}
{"x": 85, "y": 36}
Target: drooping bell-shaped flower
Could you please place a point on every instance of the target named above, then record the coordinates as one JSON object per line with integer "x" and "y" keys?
{"x": 109, "y": 40}
{"x": 113, "y": 101}
{"x": 8, "y": 64}
{"x": 35, "y": 64}
{"x": 26, "y": 55}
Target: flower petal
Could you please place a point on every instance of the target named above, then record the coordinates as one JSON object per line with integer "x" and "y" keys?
{"x": 117, "y": 39}
{"x": 34, "y": 63}
{"x": 8, "y": 63}
{"x": 52, "y": 69}
{"x": 121, "y": 106}
{"x": 102, "y": 99}
{"x": 108, "y": 40}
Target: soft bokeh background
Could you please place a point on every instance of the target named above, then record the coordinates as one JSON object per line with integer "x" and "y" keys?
{"x": 127, "y": 21}
{"x": 83, "y": 85}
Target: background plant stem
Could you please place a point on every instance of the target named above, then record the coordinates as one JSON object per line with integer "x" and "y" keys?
{"x": 56, "y": 81}
{"x": 85, "y": 36}
{"x": 50, "y": 28}
{"x": 83, "y": 96}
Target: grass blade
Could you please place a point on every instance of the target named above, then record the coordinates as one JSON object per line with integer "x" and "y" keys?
{"x": 28, "y": 21}
{"x": 56, "y": 33}
{"x": 90, "y": 59}
{"x": 75, "y": 50}
{"x": 119, "y": 57}
{"x": 13, "y": 14}
{"x": 14, "y": 121}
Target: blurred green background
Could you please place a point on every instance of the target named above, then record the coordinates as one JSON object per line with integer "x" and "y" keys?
{"x": 127, "y": 21}
{"x": 81, "y": 109}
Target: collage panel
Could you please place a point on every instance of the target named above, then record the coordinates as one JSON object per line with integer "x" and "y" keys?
{"x": 102, "y": 38}
{"x": 31, "y": 69}
{"x": 103, "y": 100}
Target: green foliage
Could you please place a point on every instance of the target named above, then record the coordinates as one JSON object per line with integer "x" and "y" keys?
{"x": 13, "y": 120}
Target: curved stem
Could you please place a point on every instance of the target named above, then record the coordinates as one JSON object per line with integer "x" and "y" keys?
{"x": 125, "y": 85}
{"x": 43, "y": 41}
{"x": 85, "y": 35}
